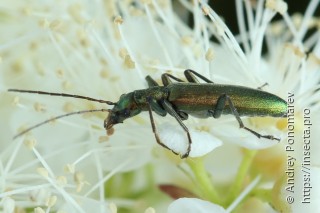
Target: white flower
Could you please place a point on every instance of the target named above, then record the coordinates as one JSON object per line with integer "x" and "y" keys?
{"x": 174, "y": 137}
{"x": 105, "y": 49}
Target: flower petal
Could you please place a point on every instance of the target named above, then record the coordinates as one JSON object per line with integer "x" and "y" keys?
{"x": 192, "y": 205}
{"x": 175, "y": 138}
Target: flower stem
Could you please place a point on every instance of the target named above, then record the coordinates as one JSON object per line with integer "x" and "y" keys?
{"x": 237, "y": 185}
{"x": 264, "y": 194}
{"x": 203, "y": 180}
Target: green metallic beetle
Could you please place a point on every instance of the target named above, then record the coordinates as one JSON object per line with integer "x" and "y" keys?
{"x": 180, "y": 99}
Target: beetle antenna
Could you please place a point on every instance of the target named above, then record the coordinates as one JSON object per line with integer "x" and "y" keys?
{"x": 58, "y": 117}
{"x": 62, "y": 94}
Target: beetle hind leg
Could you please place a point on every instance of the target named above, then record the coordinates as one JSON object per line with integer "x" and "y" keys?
{"x": 270, "y": 137}
{"x": 218, "y": 111}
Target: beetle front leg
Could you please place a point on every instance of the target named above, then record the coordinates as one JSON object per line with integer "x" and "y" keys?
{"x": 153, "y": 125}
{"x": 218, "y": 111}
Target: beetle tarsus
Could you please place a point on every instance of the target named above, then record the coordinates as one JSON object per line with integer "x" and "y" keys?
{"x": 187, "y": 153}
{"x": 270, "y": 137}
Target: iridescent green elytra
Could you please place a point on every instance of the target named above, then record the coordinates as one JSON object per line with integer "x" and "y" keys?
{"x": 180, "y": 99}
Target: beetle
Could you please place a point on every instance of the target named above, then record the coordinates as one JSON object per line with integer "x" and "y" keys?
{"x": 180, "y": 99}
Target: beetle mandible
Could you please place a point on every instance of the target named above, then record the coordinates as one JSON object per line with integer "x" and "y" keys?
{"x": 180, "y": 99}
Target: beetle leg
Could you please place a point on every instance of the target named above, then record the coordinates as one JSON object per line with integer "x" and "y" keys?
{"x": 168, "y": 107}
{"x": 191, "y": 76}
{"x": 154, "y": 104}
{"x": 218, "y": 111}
{"x": 153, "y": 125}
{"x": 151, "y": 81}
{"x": 263, "y": 85}
{"x": 183, "y": 115}
{"x": 166, "y": 79}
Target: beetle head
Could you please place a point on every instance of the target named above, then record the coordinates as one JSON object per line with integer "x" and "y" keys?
{"x": 125, "y": 108}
